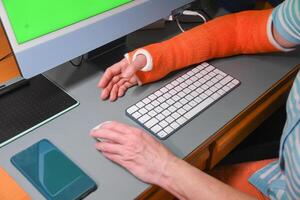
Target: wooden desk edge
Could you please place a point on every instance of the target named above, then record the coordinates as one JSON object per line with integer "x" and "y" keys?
{"x": 285, "y": 82}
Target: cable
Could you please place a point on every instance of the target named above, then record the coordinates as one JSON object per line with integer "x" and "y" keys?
{"x": 77, "y": 64}
{"x": 194, "y": 13}
{"x": 179, "y": 25}
{"x": 189, "y": 13}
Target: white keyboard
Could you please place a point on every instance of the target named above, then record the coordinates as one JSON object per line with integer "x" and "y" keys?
{"x": 168, "y": 109}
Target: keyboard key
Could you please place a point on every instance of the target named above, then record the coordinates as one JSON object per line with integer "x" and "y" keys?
{"x": 192, "y": 87}
{"x": 219, "y": 77}
{"x": 194, "y": 93}
{"x": 195, "y": 70}
{"x": 214, "y": 80}
{"x": 190, "y": 73}
{"x": 213, "y": 89}
{"x": 164, "y": 105}
{"x": 183, "y": 101}
{"x": 181, "y": 120}
{"x": 160, "y": 117}
{"x": 163, "y": 124}
{"x": 149, "y": 107}
{"x": 181, "y": 94}
{"x": 170, "y": 119}
{"x": 189, "y": 97}
{"x": 158, "y": 93}
{"x": 193, "y": 103}
{"x": 185, "y": 76}
{"x": 168, "y": 129}
{"x": 140, "y": 104}
{"x": 209, "y": 68}
{"x": 208, "y": 92}
{"x": 175, "y": 97}
{"x": 136, "y": 115}
{"x": 152, "y": 113}
{"x": 146, "y": 101}
{"x": 178, "y": 105}
{"x": 215, "y": 96}
{"x": 199, "y": 90}
{"x": 186, "y": 90}
{"x": 164, "y": 90}
{"x": 132, "y": 109}
{"x": 170, "y": 101}
{"x": 219, "y": 72}
{"x": 175, "y": 115}
{"x": 231, "y": 85}
{"x": 183, "y": 85}
{"x": 189, "y": 81}
{"x": 156, "y": 128}
{"x": 151, "y": 122}
{"x": 187, "y": 107}
{"x": 226, "y": 88}
{"x": 155, "y": 103}
{"x": 172, "y": 109}
{"x": 205, "y": 64}
{"x": 167, "y": 95}
{"x": 200, "y": 67}
{"x": 225, "y": 80}
{"x": 152, "y": 97}
{"x": 204, "y": 87}
{"x": 203, "y": 96}
{"x": 143, "y": 111}
{"x": 180, "y": 79}
{"x": 161, "y": 99}
{"x": 144, "y": 118}
{"x": 181, "y": 111}
{"x": 173, "y": 92}
{"x": 162, "y": 134}
{"x": 175, "y": 83}
{"x": 221, "y": 92}
{"x": 178, "y": 88}
{"x": 199, "y": 108}
{"x": 235, "y": 82}
{"x": 169, "y": 86}
{"x": 158, "y": 109}
{"x": 166, "y": 113}
{"x": 198, "y": 99}
{"x": 175, "y": 125}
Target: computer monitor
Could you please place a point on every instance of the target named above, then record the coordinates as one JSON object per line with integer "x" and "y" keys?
{"x": 45, "y": 34}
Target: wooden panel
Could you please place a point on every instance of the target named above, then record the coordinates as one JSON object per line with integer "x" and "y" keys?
{"x": 156, "y": 193}
{"x": 236, "y": 134}
{"x": 8, "y": 65}
{"x": 4, "y": 45}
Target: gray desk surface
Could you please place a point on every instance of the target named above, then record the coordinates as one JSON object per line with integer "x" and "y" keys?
{"x": 70, "y": 131}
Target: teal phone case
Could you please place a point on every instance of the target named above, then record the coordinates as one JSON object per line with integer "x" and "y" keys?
{"x": 52, "y": 172}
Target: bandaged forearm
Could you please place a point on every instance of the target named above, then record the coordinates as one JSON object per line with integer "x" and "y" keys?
{"x": 240, "y": 33}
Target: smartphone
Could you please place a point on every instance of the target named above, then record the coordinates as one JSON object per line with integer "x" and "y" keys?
{"x": 52, "y": 172}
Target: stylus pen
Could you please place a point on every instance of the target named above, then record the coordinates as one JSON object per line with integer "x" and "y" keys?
{"x": 8, "y": 88}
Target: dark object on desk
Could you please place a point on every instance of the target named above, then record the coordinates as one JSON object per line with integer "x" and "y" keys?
{"x": 30, "y": 106}
{"x": 53, "y": 173}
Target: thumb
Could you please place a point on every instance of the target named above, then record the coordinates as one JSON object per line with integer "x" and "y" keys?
{"x": 129, "y": 71}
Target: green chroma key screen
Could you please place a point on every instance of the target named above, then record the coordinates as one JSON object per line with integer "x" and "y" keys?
{"x": 31, "y": 19}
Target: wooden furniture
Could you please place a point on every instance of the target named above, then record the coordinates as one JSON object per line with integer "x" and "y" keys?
{"x": 208, "y": 154}
{"x": 8, "y": 65}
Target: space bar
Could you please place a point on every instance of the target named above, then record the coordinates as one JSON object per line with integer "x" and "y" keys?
{"x": 199, "y": 108}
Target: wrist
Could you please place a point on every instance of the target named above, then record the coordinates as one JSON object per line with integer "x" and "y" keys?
{"x": 167, "y": 174}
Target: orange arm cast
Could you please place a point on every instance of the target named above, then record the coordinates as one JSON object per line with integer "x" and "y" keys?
{"x": 240, "y": 33}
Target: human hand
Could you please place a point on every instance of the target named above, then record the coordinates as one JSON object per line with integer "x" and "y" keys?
{"x": 135, "y": 150}
{"x": 119, "y": 77}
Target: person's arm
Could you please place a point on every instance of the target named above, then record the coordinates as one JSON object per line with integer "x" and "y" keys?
{"x": 232, "y": 34}
{"x": 151, "y": 162}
